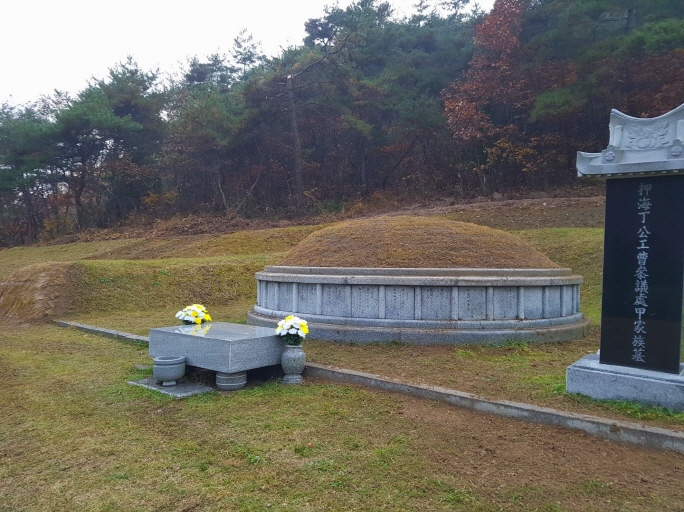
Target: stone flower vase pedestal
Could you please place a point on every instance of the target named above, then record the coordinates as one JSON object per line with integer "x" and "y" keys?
{"x": 293, "y": 362}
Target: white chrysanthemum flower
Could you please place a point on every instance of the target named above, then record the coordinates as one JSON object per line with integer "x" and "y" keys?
{"x": 195, "y": 313}
{"x": 292, "y": 326}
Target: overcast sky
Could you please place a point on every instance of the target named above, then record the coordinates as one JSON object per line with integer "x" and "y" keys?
{"x": 61, "y": 44}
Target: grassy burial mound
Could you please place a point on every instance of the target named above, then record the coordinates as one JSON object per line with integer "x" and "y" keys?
{"x": 89, "y": 281}
{"x": 414, "y": 242}
{"x": 241, "y": 243}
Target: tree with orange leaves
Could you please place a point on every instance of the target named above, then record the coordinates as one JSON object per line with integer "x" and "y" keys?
{"x": 487, "y": 105}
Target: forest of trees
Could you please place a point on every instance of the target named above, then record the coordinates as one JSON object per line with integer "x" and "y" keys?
{"x": 439, "y": 103}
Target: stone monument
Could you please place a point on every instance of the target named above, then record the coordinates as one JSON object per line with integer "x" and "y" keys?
{"x": 643, "y": 271}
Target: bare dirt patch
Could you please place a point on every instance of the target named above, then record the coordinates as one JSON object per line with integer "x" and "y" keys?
{"x": 578, "y": 212}
{"x": 509, "y": 214}
{"x": 512, "y": 463}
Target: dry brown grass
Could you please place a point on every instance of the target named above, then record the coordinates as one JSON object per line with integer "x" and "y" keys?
{"x": 40, "y": 292}
{"x": 134, "y": 274}
{"x": 208, "y": 245}
{"x": 414, "y": 242}
{"x": 46, "y": 291}
{"x": 75, "y": 436}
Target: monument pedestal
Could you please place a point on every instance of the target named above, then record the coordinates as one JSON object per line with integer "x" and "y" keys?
{"x": 611, "y": 382}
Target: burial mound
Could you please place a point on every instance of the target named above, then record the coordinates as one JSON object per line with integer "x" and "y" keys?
{"x": 414, "y": 242}
{"x": 420, "y": 280}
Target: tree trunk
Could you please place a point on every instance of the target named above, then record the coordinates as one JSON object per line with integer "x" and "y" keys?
{"x": 78, "y": 193}
{"x": 29, "y": 213}
{"x": 364, "y": 180}
{"x": 299, "y": 192}
{"x": 629, "y": 25}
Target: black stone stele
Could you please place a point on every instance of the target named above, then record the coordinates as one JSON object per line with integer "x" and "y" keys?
{"x": 643, "y": 268}
{"x": 643, "y": 273}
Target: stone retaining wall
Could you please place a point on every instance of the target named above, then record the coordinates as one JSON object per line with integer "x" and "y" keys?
{"x": 424, "y": 305}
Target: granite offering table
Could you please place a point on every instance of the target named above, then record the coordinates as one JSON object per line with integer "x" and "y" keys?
{"x": 229, "y": 349}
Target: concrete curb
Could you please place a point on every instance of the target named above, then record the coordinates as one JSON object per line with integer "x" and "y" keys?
{"x": 617, "y": 431}
{"x": 109, "y": 333}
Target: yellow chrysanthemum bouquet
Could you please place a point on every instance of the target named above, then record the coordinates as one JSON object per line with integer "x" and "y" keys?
{"x": 194, "y": 314}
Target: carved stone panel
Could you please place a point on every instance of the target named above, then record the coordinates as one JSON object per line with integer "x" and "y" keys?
{"x": 436, "y": 303}
{"x": 284, "y": 297}
{"x": 365, "y": 301}
{"x": 505, "y": 302}
{"x": 472, "y": 303}
{"x": 334, "y": 300}
{"x": 307, "y": 297}
{"x": 534, "y": 302}
{"x": 399, "y": 302}
{"x": 553, "y": 302}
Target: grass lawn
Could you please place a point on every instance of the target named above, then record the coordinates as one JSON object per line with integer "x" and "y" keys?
{"x": 75, "y": 436}
{"x": 150, "y": 291}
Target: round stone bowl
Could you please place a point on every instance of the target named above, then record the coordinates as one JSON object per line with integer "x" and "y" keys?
{"x": 424, "y": 306}
{"x": 168, "y": 369}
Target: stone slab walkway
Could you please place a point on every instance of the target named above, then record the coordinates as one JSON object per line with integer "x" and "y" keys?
{"x": 180, "y": 390}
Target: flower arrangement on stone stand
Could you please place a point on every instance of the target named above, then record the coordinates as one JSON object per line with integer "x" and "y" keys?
{"x": 193, "y": 314}
{"x": 293, "y": 330}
